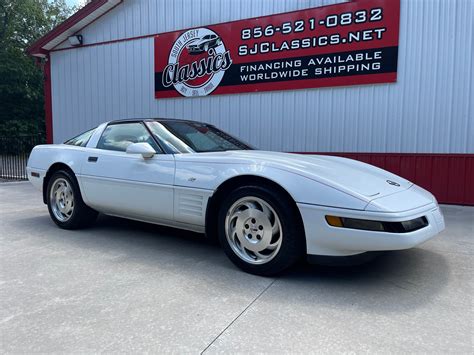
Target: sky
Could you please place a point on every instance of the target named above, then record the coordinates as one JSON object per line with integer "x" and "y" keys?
{"x": 75, "y": 2}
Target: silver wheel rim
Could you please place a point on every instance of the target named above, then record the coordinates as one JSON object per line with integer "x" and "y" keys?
{"x": 62, "y": 200}
{"x": 253, "y": 230}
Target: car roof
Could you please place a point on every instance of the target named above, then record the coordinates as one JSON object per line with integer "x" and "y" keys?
{"x": 130, "y": 120}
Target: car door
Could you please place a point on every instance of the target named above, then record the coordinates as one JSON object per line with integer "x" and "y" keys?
{"x": 128, "y": 185}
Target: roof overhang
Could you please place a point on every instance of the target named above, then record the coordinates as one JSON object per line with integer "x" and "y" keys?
{"x": 71, "y": 26}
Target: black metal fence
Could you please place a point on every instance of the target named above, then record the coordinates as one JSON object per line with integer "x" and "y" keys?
{"x": 14, "y": 152}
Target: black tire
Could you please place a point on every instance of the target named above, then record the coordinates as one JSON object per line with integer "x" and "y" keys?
{"x": 82, "y": 215}
{"x": 292, "y": 242}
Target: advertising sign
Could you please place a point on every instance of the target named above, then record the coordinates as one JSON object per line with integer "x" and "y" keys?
{"x": 350, "y": 43}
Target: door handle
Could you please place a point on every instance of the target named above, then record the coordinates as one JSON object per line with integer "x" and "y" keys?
{"x": 92, "y": 159}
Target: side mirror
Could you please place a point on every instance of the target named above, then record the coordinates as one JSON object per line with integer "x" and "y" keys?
{"x": 145, "y": 149}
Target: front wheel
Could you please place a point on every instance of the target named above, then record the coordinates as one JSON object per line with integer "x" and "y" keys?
{"x": 65, "y": 204}
{"x": 260, "y": 230}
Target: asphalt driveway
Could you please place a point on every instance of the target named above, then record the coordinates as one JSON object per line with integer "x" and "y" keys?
{"x": 124, "y": 286}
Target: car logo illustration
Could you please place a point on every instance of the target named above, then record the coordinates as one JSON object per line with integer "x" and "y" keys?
{"x": 390, "y": 182}
{"x": 203, "y": 44}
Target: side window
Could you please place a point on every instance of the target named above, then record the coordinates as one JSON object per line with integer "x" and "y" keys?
{"x": 119, "y": 136}
{"x": 81, "y": 140}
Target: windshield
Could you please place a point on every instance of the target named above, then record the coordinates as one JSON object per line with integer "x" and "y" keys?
{"x": 189, "y": 137}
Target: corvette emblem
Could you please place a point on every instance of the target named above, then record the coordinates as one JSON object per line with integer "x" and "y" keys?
{"x": 390, "y": 182}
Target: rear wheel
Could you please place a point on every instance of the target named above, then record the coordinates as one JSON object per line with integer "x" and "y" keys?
{"x": 65, "y": 204}
{"x": 260, "y": 231}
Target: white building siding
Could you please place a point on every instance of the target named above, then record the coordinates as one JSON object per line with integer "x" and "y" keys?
{"x": 429, "y": 109}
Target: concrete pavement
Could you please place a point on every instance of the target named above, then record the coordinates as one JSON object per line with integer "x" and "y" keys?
{"x": 125, "y": 286}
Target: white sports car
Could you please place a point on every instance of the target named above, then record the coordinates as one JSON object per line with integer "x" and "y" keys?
{"x": 203, "y": 44}
{"x": 267, "y": 209}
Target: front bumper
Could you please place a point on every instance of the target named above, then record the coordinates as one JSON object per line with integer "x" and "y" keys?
{"x": 323, "y": 239}
{"x": 195, "y": 50}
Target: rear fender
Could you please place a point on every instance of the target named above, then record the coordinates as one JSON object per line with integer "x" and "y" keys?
{"x": 45, "y": 159}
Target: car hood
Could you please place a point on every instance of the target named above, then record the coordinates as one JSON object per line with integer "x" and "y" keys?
{"x": 351, "y": 176}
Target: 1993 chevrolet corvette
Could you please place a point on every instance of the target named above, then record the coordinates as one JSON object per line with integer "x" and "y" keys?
{"x": 267, "y": 209}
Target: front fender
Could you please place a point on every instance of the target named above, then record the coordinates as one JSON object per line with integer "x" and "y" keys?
{"x": 210, "y": 176}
